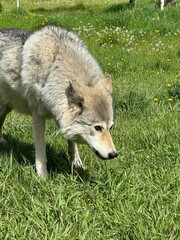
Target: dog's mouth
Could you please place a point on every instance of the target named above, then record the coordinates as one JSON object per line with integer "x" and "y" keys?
{"x": 98, "y": 154}
{"x": 111, "y": 155}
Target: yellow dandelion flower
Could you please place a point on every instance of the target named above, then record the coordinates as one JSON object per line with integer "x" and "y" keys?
{"x": 168, "y": 84}
{"x": 155, "y": 99}
{"x": 157, "y": 31}
{"x": 170, "y": 99}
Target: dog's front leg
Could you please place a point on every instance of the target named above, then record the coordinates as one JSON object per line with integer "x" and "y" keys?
{"x": 74, "y": 154}
{"x": 40, "y": 145}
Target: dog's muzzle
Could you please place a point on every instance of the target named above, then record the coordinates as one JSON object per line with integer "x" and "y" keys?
{"x": 111, "y": 155}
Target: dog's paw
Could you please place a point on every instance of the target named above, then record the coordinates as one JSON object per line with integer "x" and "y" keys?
{"x": 77, "y": 162}
{"x": 2, "y": 140}
{"x": 42, "y": 174}
{"x": 41, "y": 170}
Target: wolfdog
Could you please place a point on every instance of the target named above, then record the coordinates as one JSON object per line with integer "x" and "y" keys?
{"x": 50, "y": 73}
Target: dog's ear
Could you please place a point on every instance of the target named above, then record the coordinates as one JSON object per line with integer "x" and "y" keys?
{"x": 75, "y": 97}
{"x": 106, "y": 82}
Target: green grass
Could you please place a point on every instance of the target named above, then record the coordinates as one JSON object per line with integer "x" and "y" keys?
{"x": 135, "y": 196}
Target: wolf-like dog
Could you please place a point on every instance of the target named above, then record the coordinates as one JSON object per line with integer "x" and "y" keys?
{"x": 50, "y": 73}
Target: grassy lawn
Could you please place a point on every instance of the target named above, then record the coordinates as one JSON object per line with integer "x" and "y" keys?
{"x": 135, "y": 196}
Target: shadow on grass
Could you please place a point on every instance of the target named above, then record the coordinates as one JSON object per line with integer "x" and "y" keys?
{"x": 77, "y": 7}
{"x": 58, "y": 163}
{"x": 119, "y": 7}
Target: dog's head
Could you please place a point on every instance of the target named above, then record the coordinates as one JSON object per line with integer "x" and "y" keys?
{"x": 92, "y": 111}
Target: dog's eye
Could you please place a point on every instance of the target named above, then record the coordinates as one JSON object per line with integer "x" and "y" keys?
{"x": 98, "y": 128}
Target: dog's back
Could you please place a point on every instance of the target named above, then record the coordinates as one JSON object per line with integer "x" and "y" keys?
{"x": 10, "y": 37}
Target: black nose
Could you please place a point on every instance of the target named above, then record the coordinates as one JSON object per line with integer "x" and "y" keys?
{"x": 112, "y": 155}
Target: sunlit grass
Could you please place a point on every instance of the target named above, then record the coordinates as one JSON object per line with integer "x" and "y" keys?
{"x": 135, "y": 196}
